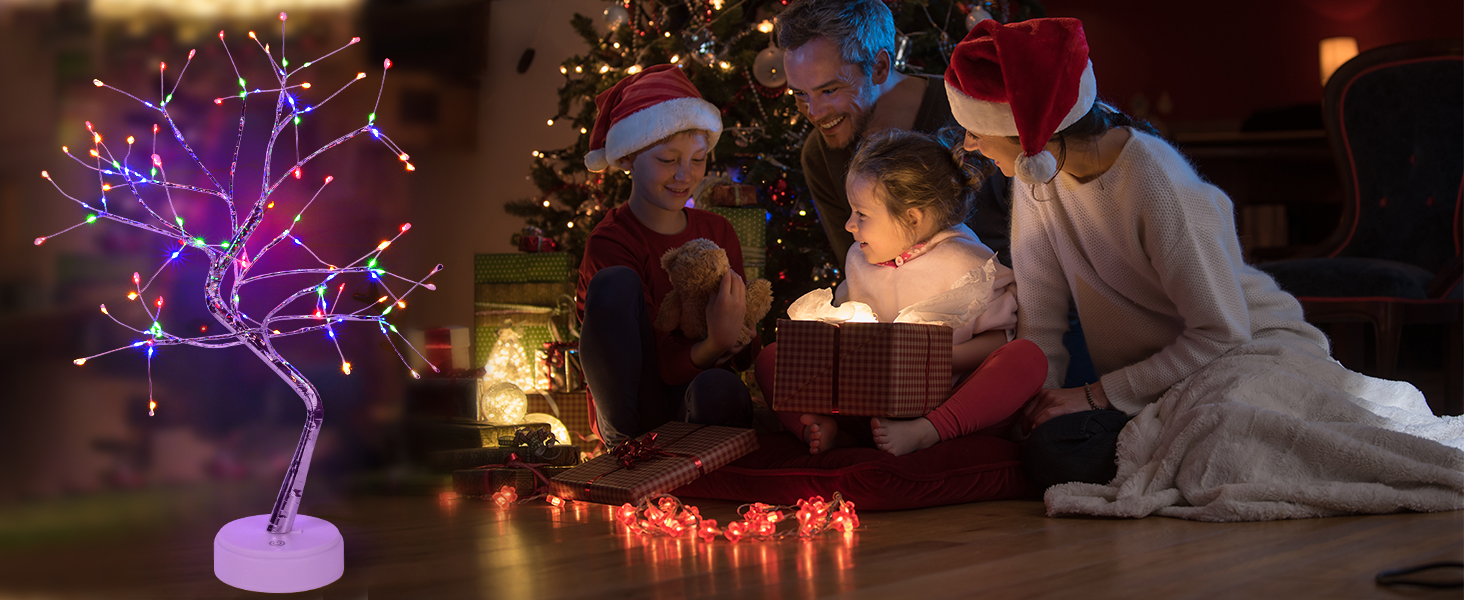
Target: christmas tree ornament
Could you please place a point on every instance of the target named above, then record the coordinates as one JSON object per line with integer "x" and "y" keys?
{"x": 502, "y": 403}
{"x": 508, "y": 362}
{"x": 767, "y": 68}
{"x": 615, "y": 16}
{"x": 282, "y": 551}
{"x": 977, "y": 15}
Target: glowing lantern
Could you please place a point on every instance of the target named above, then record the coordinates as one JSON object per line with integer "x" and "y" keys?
{"x": 508, "y": 362}
{"x": 501, "y": 403}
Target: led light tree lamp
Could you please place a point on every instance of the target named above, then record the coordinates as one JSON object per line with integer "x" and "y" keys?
{"x": 282, "y": 551}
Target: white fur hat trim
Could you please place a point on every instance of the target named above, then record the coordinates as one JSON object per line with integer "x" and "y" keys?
{"x": 641, "y": 129}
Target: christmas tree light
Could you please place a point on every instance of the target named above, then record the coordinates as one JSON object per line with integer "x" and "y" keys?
{"x": 274, "y": 552}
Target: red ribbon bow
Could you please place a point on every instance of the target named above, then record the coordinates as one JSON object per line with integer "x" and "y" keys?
{"x": 631, "y": 451}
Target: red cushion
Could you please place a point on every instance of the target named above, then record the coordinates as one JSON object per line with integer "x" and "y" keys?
{"x": 781, "y": 471}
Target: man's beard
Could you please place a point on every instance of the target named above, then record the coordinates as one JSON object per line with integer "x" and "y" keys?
{"x": 860, "y": 122}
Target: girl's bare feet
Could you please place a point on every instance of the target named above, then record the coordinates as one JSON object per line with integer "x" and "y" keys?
{"x": 820, "y": 431}
{"x": 903, "y": 437}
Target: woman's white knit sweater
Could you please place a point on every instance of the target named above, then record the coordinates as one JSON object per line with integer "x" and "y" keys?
{"x": 1149, "y": 255}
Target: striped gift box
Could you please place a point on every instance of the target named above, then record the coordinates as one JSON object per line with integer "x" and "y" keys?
{"x": 900, "y": 370}
{"x": 692, "y": 451}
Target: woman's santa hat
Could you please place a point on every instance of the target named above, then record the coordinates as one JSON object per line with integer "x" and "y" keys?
{"x": 1030, "y": 79}
{"x": 645, "y": 108}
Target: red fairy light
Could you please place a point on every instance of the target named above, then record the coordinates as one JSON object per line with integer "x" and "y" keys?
{"x": 162, "y": 66}
{"x": 355, "y": 39}
{"x": 329, "y": 178}
{"x": 160, "y": 301}
{"x": 386, "y": 64}
{"x": 157, "y": 160}
{"x": 625, "y": 514}
{"x": 190, "y": 57}
{"x": 297, "y": 172}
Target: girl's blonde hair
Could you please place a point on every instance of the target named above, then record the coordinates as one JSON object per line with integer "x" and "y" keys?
{"x": 915, "y": 170}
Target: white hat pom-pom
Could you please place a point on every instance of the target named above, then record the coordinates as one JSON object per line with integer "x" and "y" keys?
{"x": 1036, "y": 169}
{"x": 595, "y": 160}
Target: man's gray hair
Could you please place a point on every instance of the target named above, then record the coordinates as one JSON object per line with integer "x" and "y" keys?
{"x": 860, "y": 28}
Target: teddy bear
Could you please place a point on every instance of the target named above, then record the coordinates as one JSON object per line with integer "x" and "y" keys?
{"x": 696, "y": 270}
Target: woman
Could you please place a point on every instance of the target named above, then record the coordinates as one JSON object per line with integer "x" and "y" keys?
{"x": 1239, "y": 412}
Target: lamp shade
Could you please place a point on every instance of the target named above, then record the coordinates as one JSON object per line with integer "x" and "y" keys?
{"x": 1335, "y": 51}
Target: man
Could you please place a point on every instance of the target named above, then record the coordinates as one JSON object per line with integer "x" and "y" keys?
{"x": 838, "y": 58}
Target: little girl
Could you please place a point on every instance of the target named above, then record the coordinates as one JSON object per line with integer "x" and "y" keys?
{"x": 910, "y": 197}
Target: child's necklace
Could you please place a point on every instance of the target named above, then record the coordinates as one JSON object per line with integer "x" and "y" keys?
{"x": 906, "y": 256}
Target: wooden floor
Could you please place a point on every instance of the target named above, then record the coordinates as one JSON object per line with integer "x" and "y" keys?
{"x": 442, "y": 547}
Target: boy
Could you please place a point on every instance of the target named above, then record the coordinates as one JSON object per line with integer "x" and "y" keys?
{"x": 655, "y": 126}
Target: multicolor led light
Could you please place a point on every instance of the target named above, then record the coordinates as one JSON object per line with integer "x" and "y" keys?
{"x": 232, "y": 260}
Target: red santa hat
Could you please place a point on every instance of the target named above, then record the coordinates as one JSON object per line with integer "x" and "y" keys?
{"x": 645, "y": 108}
{"x": 1030, "y": 79}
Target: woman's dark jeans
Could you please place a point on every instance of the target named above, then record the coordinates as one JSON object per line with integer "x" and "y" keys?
{"x": 618, "y": 351}
{"x": 1080, "y": 447}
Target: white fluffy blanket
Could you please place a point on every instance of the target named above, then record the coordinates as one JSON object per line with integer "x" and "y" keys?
{"x": 1278, "y": 430}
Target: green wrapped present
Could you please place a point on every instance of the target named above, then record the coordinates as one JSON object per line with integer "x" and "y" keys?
{"x": 541, "y": 293}
{"x": 535, "y": 325}
{"x": 520, "y": 267}
{"x": 751, "y": 225}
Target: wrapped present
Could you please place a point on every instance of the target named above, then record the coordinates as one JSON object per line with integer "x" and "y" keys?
{"x": 673, "y": 455}
{"x": 485, "y": 481}
{"x": 531, "y": 239}
{"x": 559, "y": 455}
{"x": 732, "y": 195}
{"x": 900, "y": 370}
{"x": 535, "y": 326}
{"x": 447, "y": 348}
{"x": 561, "y": 366}
{"x": 572, "y": 409}
{"x": 427, "y": 436}
{"x": 533, "y": 293}
{"x": 519, "y": 267}
{"x": 751, "y": 225}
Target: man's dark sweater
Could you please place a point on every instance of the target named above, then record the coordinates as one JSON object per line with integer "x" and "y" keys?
{"x": 824, "y": 169}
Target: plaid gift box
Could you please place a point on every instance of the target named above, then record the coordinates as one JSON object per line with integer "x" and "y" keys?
{"x": 488, "y": 480}
{"x": 571, "y": 408}
{"x": 676, "y": 454}
{"x": 900, "y": 370}
{"x": 520, "y": 267}
{"x": 468, "y": 458}
{"x": 751, "y": 225}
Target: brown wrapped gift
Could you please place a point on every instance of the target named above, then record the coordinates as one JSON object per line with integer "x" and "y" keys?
{"x": 673, "y": 455}
{"x": 452, "y": 460}
{"x": 900, "y": 370}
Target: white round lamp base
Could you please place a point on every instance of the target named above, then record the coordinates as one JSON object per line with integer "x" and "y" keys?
{"x": 249, "y": 557}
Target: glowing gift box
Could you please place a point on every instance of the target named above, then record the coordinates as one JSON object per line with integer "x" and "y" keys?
{"x": 673, "y": 455}
{"x": 900, "y": 370}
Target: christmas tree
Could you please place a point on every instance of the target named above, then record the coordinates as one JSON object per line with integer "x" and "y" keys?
{"x": 727, "y": 50}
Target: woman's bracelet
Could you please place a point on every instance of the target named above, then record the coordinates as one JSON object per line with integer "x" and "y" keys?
{"x": 1088, "y": 390}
